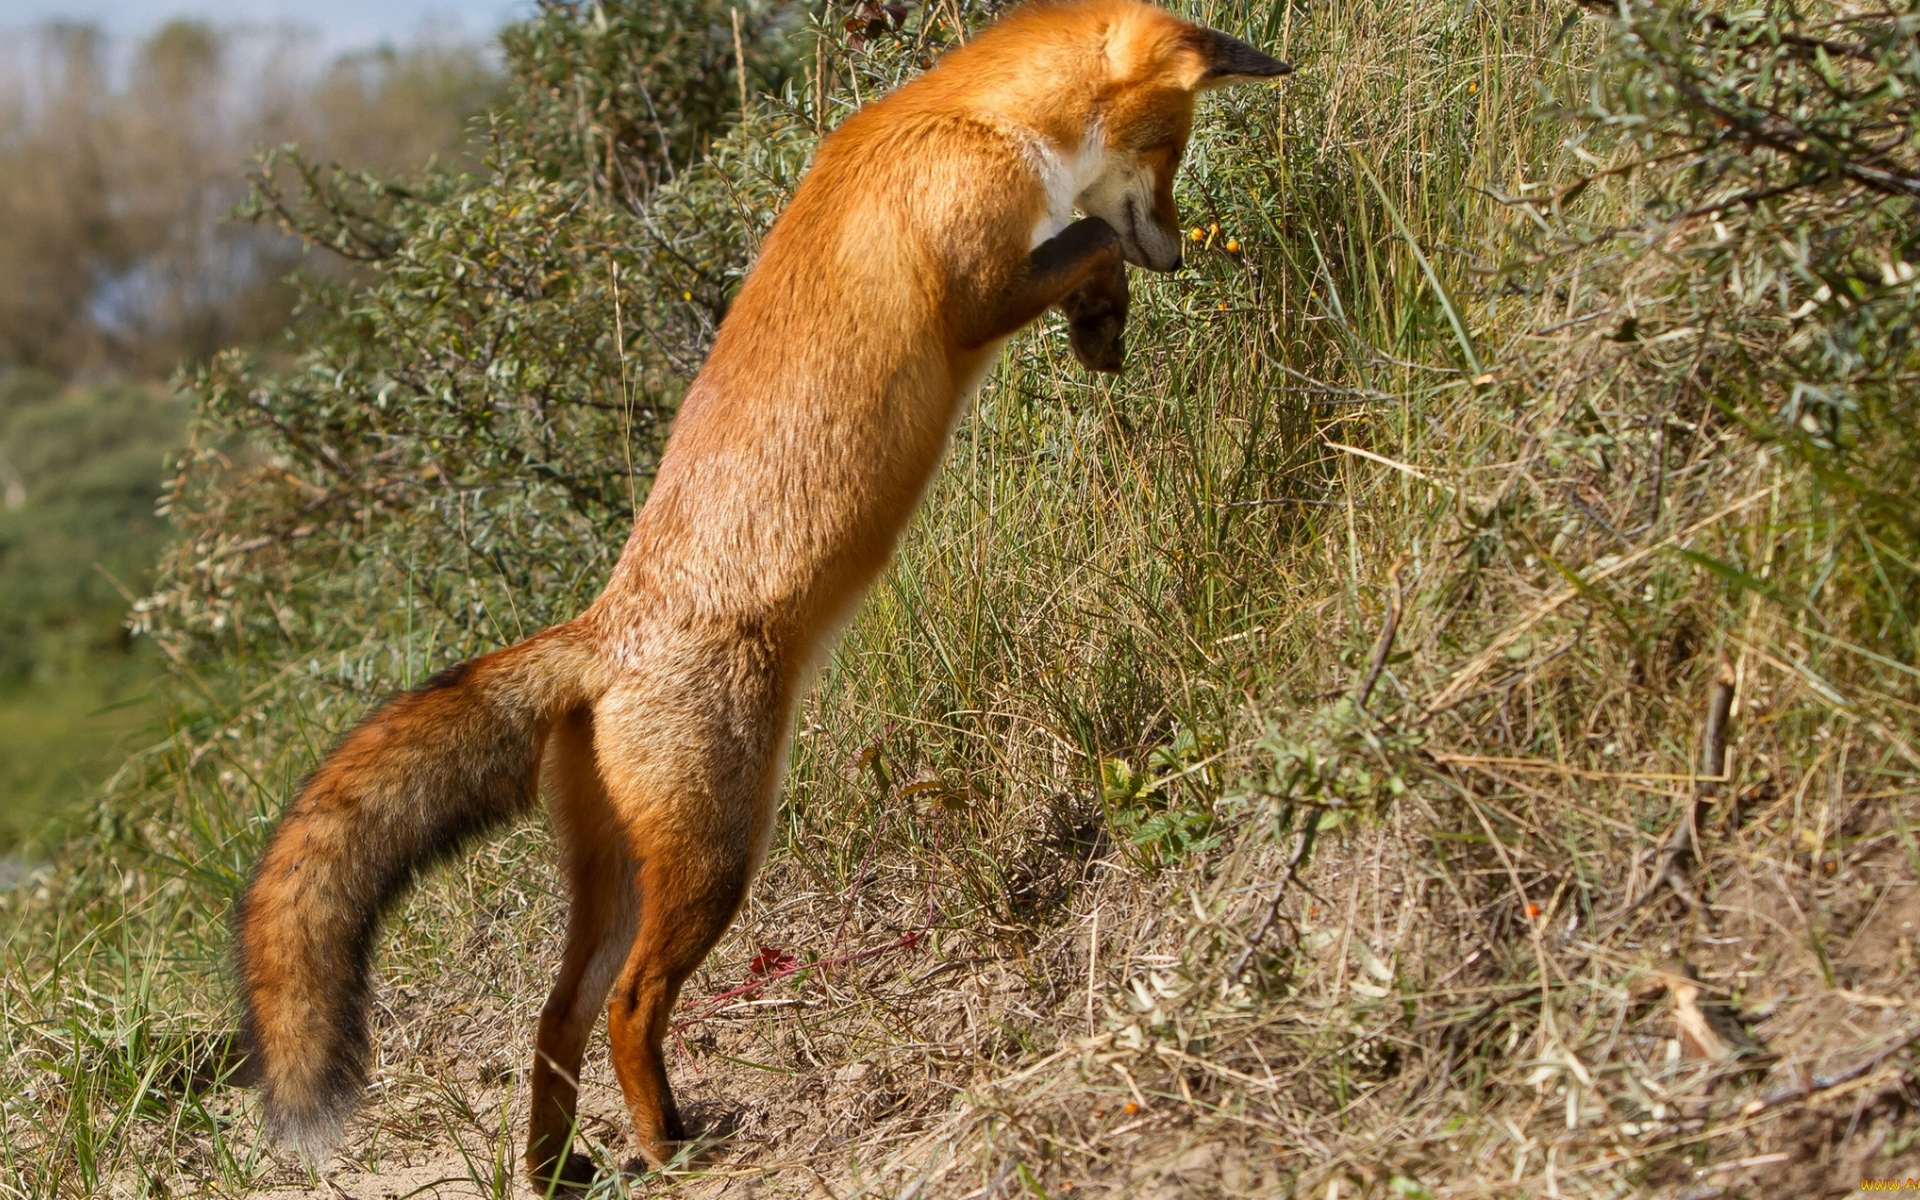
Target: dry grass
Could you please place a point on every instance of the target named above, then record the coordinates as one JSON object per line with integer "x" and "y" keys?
{"x": 1046, "y": 805}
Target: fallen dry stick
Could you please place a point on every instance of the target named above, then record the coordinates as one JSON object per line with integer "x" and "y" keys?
{"x": 1682, "y": 844}
{"x": 1810, "y": 1085}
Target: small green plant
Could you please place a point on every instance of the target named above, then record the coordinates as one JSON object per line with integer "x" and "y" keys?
{"x": 1163, "y": 821}
{"x": 1341, "y": 763}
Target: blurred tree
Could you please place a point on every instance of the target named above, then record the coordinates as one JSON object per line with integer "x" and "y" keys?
{"x": 55, "y": 222}
{"x": 116, "y": 253}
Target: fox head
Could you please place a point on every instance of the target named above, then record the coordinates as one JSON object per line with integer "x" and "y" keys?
{"x": 1156, "y": 64}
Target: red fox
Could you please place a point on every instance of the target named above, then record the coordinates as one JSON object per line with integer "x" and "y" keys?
{"x": 932, "y": 224}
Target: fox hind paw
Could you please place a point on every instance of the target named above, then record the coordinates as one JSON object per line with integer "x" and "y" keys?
{"x": 572, "y": 1174}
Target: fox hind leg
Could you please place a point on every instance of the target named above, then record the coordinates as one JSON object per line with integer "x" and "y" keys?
{"x": 689, "y": 894}
{"x": 600, "y": 932}
{"x": 696, "y": 788}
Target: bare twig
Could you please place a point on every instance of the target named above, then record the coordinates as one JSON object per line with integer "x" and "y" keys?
{"x": 1811, "y": 1084}
{"x": 1309, "y": 826}
{"x": 1384, "y": 646}
{"x": 1682, "y": 844}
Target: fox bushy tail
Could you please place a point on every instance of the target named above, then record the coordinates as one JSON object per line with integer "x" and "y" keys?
{"x": 430, "y": 768}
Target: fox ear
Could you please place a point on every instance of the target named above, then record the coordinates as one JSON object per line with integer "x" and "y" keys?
{"x": 1230, "y": 60}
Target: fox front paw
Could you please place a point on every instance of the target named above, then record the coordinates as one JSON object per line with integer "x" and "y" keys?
{"x": 1099, "y": 342}
{"x": 1097, "y": 321}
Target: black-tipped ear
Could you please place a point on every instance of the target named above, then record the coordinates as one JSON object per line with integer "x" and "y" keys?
{"x": 1229, "y": 58}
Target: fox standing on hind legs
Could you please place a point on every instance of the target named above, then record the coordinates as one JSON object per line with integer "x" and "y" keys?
{"x": 932, "y": 224}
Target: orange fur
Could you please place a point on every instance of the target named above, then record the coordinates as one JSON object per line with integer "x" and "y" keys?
{"x": 932, "y": 224}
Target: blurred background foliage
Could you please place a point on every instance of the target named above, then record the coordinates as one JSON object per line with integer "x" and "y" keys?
{"x": 120, "y": 261}
{"x": 117, "y": 180}
{"x": 79, "y": 470}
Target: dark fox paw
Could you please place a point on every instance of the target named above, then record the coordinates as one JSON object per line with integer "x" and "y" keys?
{"x": 1097, "y": 320}
{"x": 571, "y": 1175}
{"x": 1099, "y": 342}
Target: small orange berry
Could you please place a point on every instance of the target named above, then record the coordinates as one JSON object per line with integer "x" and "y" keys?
{"x": 1130, "y": 1108}
{"x": 1198, "y": 234}
{"x": 1233, "y": 245}
{"x": 1533, "y": 912}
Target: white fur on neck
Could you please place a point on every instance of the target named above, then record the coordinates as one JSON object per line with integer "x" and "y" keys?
{"x": 1064, "y": 176}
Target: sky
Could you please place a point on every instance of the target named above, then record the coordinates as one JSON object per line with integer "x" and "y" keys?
{"x": 340, "y": 25}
